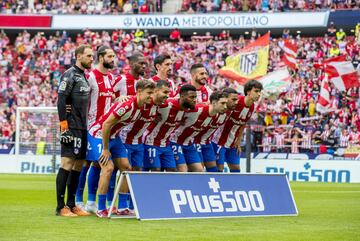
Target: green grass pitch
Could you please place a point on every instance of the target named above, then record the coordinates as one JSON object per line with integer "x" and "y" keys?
{"x": 326, "y": 212}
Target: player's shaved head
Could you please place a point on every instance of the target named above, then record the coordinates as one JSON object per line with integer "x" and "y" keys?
{"x": 195, "y": 67}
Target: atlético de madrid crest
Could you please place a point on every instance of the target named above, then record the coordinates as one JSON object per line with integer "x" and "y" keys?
{"x": 248, "y": 62}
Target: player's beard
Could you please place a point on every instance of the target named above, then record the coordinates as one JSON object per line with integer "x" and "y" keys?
{"x": 197, "y": 80}
{"x": 108, "y": 65}
{"x": 188, "y": 106}
{"x": 86, "y": 65}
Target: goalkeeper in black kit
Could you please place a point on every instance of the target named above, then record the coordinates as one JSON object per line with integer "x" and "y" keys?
{"x": 74, "y": 91}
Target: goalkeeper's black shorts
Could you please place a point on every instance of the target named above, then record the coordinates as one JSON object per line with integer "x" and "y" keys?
{"x": 77, "y": 148}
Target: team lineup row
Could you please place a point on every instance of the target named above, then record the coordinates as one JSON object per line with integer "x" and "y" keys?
{"x": 143, "y": 129}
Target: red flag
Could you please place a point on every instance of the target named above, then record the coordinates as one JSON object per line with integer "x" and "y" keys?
{"x": 289, "y": 58}
{"x": 323, "y": 104}
{"x": 341, "y": 73}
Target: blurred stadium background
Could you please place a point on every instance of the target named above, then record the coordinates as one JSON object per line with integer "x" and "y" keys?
{"x": 37, "y": 43}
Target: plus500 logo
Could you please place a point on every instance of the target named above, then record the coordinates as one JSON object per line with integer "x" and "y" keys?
{"x": 226, "y": 201}
{"x": 317, "y": 175}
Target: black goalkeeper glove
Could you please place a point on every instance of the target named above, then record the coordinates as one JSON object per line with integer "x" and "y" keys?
{"x": 66, "y": 137}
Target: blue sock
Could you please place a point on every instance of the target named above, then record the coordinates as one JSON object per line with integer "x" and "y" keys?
{"x": 131, "y": 204}
{"x": 212, "y": 169}
{"x": 234, "y": 170}
{"x": 93, "y": 182}
{"x": 101, "y": 201}
{"x": 110, "y": 192}
{"x": 81, "y": 185}
{"x": 123, "y": 197}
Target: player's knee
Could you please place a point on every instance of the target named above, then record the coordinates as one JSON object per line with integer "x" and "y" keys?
{"x": 67, "y": 163}
{"x": 107, "y": 170}
{"x": 182, "y": 168}
{"x": 78, "y": 165}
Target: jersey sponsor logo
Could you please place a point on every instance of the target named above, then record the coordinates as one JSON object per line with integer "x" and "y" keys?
{"x": 63, "y": 85}
{"x": 237, "y": 122}
{"x": 85, "y": 89}
{"x": 220, "y": 202}
{"x": 121, "y": 111}
{"x": 106, "y": 94}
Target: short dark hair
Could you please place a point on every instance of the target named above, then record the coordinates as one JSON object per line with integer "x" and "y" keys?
{"x": 229, "y": 91}
{"x": 186, "y": 88}
{"x": 81, "y": 49}
{"x": 161, "y": 59}
{"x": 161, "y": 83}
{"x": 144, "y": 84}
{"x": 252, "y": 84}
{"x": 195, "y": 67}
{"x": 217, "y": 95}
{"x": 135, "y": 57}
{"x": 101, "y": 51}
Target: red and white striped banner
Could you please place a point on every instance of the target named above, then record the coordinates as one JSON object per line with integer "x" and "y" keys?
{"x": 341, "y": 73}
{"x": 289, "y": 58}
{"x": 323, "y": 105}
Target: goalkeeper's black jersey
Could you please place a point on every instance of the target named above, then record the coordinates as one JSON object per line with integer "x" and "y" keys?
{"x": 74, "y": 90}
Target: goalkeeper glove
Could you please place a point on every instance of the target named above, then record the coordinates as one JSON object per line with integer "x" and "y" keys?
{"x": 66, "y": 136}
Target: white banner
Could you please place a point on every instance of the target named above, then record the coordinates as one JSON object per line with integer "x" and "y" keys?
{"x": 27, "y": 164}
{"x": 309, "y": 170}
{"x": 193, "y": 21}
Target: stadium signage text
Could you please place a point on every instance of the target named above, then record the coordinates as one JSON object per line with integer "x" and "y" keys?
{"x": 194, "y": 195}
{"x": 32, "y": 167}
{"x": 193, "y": 21}
{"x": 310, "y": 170}
{"x": 227, "y": 201}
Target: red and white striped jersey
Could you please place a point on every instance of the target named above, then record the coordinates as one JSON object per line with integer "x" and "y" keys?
{"x": 133, "y": 133}
{"x": 226, "y": 135}
{"x": 195, "y": 121}
{"x": 279, "y": 140}
{"x": 355, "y": 137}
{"x": 344, "y": 140}
{"x": 126, "y": 112}
{"x": 202, "y": 94}
{"x": 156, "y": 78}
{"x": 295, "y": 145}
{"x": 125, "y": 85}
{"x": 307, "y": 141}
{"x": 297, "y": 99}
{"x": 158, "y": 133}
{"x": 205, "y": 136}
{"x": 100, "y": 95}
{"x": 266, "y": 143}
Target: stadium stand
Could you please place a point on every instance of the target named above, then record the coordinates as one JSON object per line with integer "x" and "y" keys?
{"x": 31, "y": 65}
{"x": 79, "y": 6}
{"x": 204, "y": 6}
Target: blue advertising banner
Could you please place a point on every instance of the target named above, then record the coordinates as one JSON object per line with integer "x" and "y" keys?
{"x": 208, "y": 195}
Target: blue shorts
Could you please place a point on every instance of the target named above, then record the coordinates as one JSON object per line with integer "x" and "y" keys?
{"x": 185, "y": 154}
{"x": 206, "y": 152}
{"x": 228, "y": 155}
{"x": 135, "y": 154}
{"x": 94, "y": 148}
{"x": 158, "y": 157}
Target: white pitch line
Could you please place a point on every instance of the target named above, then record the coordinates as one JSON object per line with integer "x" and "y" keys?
{"x": 351, "y": 191}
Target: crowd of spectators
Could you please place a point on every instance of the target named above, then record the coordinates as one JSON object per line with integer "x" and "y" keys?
{"x": 79, "y": 6}
{"x": 204, "y": 6}
{"x": 148, "y": 6}
{"x": 30, "y": 69}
